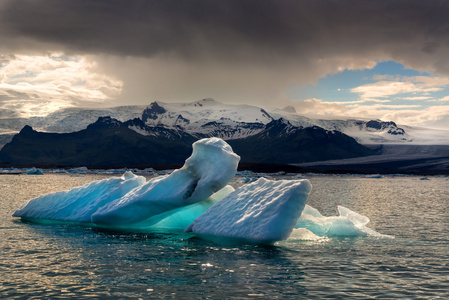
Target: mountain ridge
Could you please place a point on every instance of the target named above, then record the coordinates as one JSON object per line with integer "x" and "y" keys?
{"x": 208, "y": 117}
{"x": 109, "y": 141}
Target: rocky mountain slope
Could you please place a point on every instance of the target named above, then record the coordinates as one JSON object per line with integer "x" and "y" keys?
{"x": 112, "y": 142}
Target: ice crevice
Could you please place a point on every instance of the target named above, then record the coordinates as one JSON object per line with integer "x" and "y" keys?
{"x": 197, "y": 198}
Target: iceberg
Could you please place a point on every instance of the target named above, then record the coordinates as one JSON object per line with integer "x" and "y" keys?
{"x": 209, "y": 169}
{"x": 79, "y": 170}
{"x": 303, "y": 234}
{"x": 197, "y": 198}
{"x": 348, "y": 223}
{"x": 34, "y": 171}
{"x": 181, "y": 218}
{"x": 124, "y": 201}
{"x": 261, "y": 212}
{"x": 78, "y": 204}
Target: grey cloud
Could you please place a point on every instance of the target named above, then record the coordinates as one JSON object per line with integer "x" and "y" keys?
{"x": 232, "y": 50}
{"x": 259, "y": 31}
{"x": 11, "y": 95}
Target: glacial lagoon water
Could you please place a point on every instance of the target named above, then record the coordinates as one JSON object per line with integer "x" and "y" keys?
{"x": 66, "y": 261}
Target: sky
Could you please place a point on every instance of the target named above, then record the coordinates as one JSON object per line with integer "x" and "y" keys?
{"x": 378, "y": 59}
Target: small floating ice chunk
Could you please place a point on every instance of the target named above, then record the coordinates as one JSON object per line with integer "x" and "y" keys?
{"x": 35, "y": 171}
{"x": 79, "y": 170}
{"x": 348, "y": 223}
{"x": 303, "y": 234}
{"x": 261, "y": 212}
{"x": 373, "y": 176}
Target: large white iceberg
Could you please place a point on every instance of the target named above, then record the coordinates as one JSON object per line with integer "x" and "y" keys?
{"x": 197, "y": 198}
{"x": 262, "y": 212}
{"x": 121, "y": 202}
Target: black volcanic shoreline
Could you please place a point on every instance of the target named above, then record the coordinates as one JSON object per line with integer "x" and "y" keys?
{"x": 421, "y": 166}
{"x": 361, "y": 169}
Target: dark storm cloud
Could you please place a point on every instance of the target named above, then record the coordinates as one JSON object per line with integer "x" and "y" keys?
{"x": 237, "y": 51}
{"x": 255, "y": 30}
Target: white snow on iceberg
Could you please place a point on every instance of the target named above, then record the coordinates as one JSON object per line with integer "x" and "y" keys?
{"x": 262, "y": 212}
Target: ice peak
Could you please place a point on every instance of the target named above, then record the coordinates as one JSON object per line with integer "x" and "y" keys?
{"x": 289, "y": 109}
{"x": 205, "y": 102}
{"x": 280, "y": 122}
{"x": 152, "y": 111}
{"x": 155, "y": 107}
{"x": 208, "y": 100}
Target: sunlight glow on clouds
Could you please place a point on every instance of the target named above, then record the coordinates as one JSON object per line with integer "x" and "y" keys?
{"x": 335, "y": 56}
{"x": 407, "y": 98}
{"x": 427, "y": 116}
{"x": 38, "y": 85}
{"x": 389, "y": 92}
{"x": 314, "y": 106}
{"x": 393, "y": 85}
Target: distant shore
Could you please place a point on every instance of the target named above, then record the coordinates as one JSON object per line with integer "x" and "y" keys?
{"x": 408, "y": 167}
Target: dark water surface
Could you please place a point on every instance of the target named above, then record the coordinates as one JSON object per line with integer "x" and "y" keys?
{"x": 64, "y": 261}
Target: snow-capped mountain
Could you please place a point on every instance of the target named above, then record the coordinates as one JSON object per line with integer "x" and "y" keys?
{"x": 364, "y": 131}
{"x": 211, "y": 118}
{"x": 70, "y": 119}
{"x": 207, "y": 117}
{"x": 66, "y": 120}
{"x": 282, "y": 142}
{"x": 113, "y": 143}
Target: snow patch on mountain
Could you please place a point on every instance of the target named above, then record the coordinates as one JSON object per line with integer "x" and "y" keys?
{"x": 364, "y": 131}
{"x": 208, "y": 118}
